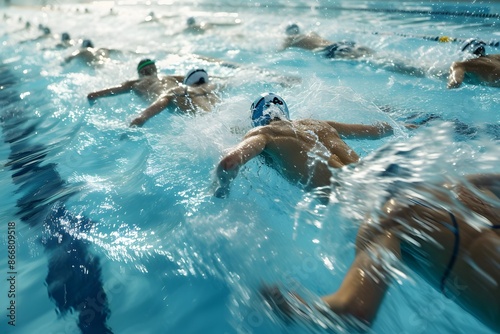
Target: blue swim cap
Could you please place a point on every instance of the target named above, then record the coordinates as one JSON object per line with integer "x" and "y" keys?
{"x": 292, "y": 29}
{"x": 268, "y": 107}
{"x": 474, "y": 46}
{"x": 65, "y": 37}
{"x": 197, "y": 76}
{"x": 87, "y": 43}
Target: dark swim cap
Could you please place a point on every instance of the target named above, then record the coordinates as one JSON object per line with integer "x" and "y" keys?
{"x": 87, "y": 43}
{"x": 143, "y": 63}
{"x": 65, "y": 37}
{"x": 190, "y": 21}
{"x": 474, "y": 46}
{"x": 292, "y": 29}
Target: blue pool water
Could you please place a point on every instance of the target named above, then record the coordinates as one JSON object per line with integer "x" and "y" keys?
{"x": 117, "y": 229}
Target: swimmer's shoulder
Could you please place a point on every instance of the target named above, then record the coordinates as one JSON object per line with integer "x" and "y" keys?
{"x": 178, "y": 91}
{"x": 493, "y": 57}
{"x": 311, "y": 124}
{"x": 172, "y": 79}
{"x": 269, "y": 131}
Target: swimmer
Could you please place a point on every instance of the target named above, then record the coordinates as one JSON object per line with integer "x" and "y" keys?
{"x": 482, "y": 69}
{"x": 194, "y": 27}
{"x": 195, "y": 94}
{"x": 151, "y": 17}
{"x": 46, "y": 33}
{"x": 112, "y": 12}
{"x": 149, "y": 86}
{"x": 346, "y": 50}
{"x": 447, "y": 232}
{"x": 303, "y": 151}
{"x": 65, "y": 42}
{"x": 90, "y": 55}
{"x": 313, "y": 42}
{"x": 26, "y": 27}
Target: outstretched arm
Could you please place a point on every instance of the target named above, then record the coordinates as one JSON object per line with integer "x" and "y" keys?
{"x": 457, "y": 73}
{"x": 229, "y": 166}
{"x": 154, "y": 109}
{"x": 360, "y": 131}
{"x": 123, "y": 88}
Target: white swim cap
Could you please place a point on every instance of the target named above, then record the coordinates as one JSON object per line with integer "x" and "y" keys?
{"x": 197, "y": 76}
{"x": 268, "y": 107}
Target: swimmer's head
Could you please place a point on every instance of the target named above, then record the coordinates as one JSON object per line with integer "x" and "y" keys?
{"x": 46, "y": 30}
{"x": 144, "y": 67}
{"x": 474, "y": 46}
{"x": 268, "y": 107}
{"x": 87, "y": 43}
{"x": 197, "y": 76}
{"x": 65, "y": 37}
{"x": 292, "y": 29}
{"x": 190, "y": 21}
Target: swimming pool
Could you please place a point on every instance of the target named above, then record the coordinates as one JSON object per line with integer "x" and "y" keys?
{"x": 121, "y": 223}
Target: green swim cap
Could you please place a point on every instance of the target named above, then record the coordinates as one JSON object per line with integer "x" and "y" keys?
{"x": 143, "y": 63}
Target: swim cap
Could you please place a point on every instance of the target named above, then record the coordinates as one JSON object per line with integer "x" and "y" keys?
{"x": 292, "y": 29}
{"x": 268, "y": 107}
{"x": 474, "y": 46}
{"x": 65, "y": 37}
{"x": 191, "y": 21}
{"x": 87, "y": 43}
{"x": 196, "y": 76}
{"x": 143, "y": 63}
{"x": 46, "y": 30}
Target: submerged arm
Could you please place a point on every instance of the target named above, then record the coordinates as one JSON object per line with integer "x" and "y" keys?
{"x": 366, "y": 281}
{"x": 229, "y": 166}
{"x": 457, "y": 73}
{"x": 123, "y": 88}
{"x": 360, "y": 131}
{"x": 364, "y": 285}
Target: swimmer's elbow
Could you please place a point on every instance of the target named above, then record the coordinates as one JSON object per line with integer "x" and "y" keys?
{"x": 453, "y": 83}
{"x": 456, "y": 76}
{"x": 352, "y": 310}
{"x": 228, "y": 163}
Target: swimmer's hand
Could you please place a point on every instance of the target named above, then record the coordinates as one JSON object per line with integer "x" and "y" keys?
{"x": 221, "y": 192}
{"x": 410, "y": 126}
{"x": 226, "y": 172}
{"x": 92, "y": 98}
{"x": 275, "y": 298}
{"x": 138, "y": 121}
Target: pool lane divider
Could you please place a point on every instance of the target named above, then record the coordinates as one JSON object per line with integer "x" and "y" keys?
{"x": 482, "y": 13}
{"x": 74, "y": 281}
{"x": 440, "y": 39}
{"x": 478, "y": 12}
